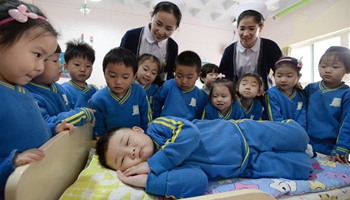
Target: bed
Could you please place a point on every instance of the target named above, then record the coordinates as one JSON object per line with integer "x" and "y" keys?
{"x": 66, "y": 174}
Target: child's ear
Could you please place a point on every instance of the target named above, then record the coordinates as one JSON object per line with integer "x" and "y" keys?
{"x": 65, "y": 66}
{"x": 260, "y": 92}
{"x": 138, "y": 129}
{"x": 299, "y": 76}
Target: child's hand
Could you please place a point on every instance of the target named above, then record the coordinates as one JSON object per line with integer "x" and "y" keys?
{"x": 340, "y": 158}
{"x": 137, "y": 180}
{"x": 28, "y": 156}
{"x": 64, "y": 126}
{"x": 141, "y": 168}
{"x": 92, "y": 111}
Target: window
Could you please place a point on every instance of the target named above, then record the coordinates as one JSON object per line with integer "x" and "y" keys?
{"x": 319, "y": 49}
{"x": 311, "y": 54}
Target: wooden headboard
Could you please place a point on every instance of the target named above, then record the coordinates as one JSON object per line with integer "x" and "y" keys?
{"x": 65, "y": 157}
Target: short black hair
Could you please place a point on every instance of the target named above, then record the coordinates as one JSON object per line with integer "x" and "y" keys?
{"x": 189, "y": 58}
{"x": 77, "y": 48}
{"x": 208, "y": 68}
{"x": 121, "y": 55}
{"x": 102, "y": 145}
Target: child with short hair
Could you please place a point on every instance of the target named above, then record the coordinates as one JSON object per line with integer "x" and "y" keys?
{"x": 287, "y": 99}
{"x": 122, "y": 102}
{"x": 177, "y": 158}
{"x": 250, "y": 88}
{"x": 180, "y": 97}
{"x": 51, "y": 97}
{"x": 79, "y": 58}
{"x": 222, "y": 101}
{"x": 147, "y": 72}
{"x": 23, "y": 48}
{"x": 207, "y": 76}
{"x": 329, "y": 99}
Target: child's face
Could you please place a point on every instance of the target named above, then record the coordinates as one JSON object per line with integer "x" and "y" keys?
{"x": 209, "y": 79}
{"x": 331, "y": 71}
{"x": 79, "y": 69}
{"x": 186, "y": 76}
{"x": 128, "y": 147}
{"x": 286, "y": 78}
{"x": 163, "y": 25}
{"x": 147, "y": 72}
{"x": 221, "y": 98}
{"x": 248, "y": 31}
{"x": 24, "y": 60}
{"x": 249, "y": 87}
{"x": 52, "y": 71}
{"x": 119, "y": 77}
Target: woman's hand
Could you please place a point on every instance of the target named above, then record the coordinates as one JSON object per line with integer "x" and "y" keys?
{"x": 28, "y": 156}
{"x": 137, "y": 180}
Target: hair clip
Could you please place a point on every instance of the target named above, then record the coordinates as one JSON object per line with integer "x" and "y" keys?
{"x": 221, "y": 76}
{"x": 300, "y": 63}
{"x": 21, "y": 15}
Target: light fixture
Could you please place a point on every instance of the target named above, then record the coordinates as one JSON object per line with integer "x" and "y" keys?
{"x": 95, "y": 0}
{"x": 85, "y": 10}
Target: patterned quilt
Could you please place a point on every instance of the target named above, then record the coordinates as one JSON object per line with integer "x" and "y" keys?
{"x": 96, "y": 182}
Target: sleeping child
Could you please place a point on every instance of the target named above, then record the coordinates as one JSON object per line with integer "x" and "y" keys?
{"x": 176, "y": 158}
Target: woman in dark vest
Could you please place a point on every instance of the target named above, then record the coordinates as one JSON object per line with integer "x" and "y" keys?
{"x": 154, "y": 38}
{"x": 251, "y": 54}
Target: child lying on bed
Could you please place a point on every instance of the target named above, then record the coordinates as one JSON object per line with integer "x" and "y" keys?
{"x": 176, "y": 157}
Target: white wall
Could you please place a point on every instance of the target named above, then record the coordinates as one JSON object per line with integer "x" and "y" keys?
{"x": 108, "y": 24}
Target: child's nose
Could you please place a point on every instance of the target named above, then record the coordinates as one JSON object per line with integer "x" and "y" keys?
{"x": 133, "y": 152}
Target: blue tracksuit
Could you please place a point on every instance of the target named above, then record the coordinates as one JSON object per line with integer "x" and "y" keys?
{"x": 151, "y": 89}
{"x": 78, "y": 96}
{"x": 170, "y": 100}
{"x": 54, "y": 105}
{"x": 191, "y": 153}
{"x": 112, "y": 111}
{"x": 281, "y": 106}
{"x": 253, "y": 112}
{"x": 236, "y": 111}
{"x": 22, "y": 127}
{"x": 327, "y": 108}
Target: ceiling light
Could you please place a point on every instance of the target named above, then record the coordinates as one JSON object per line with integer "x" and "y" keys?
{"x": 95, "y": 0}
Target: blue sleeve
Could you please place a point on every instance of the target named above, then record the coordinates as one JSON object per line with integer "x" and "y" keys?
{"x": 343, "y": 141}
{"x": 158, "y": 102}
{"x": 302, "y": 116}
{"x": 342, "y": 145}
{"x": 177, "y": 139}
{"x": 180, "y": 182}
{"x": 77, "y": 117}
{"x": 99, "y": 126}
{"x": 6, "y": 168}
{"x": 146, "y": 113}
{"x": 273, "y": 108}
{"x": 208, "y": 112}
{"x": 201, "y": 108}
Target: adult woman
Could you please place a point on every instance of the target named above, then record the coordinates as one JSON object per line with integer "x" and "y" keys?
{"x": 154, "y": 38}
{"x": 251, "y": 54}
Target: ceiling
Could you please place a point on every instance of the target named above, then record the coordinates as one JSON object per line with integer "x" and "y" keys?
{"x": 215, "y": 10}
{"x": 220, "y": 11}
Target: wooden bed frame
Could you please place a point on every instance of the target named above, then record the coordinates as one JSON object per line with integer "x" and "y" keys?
{"x": 66, "y": 156}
